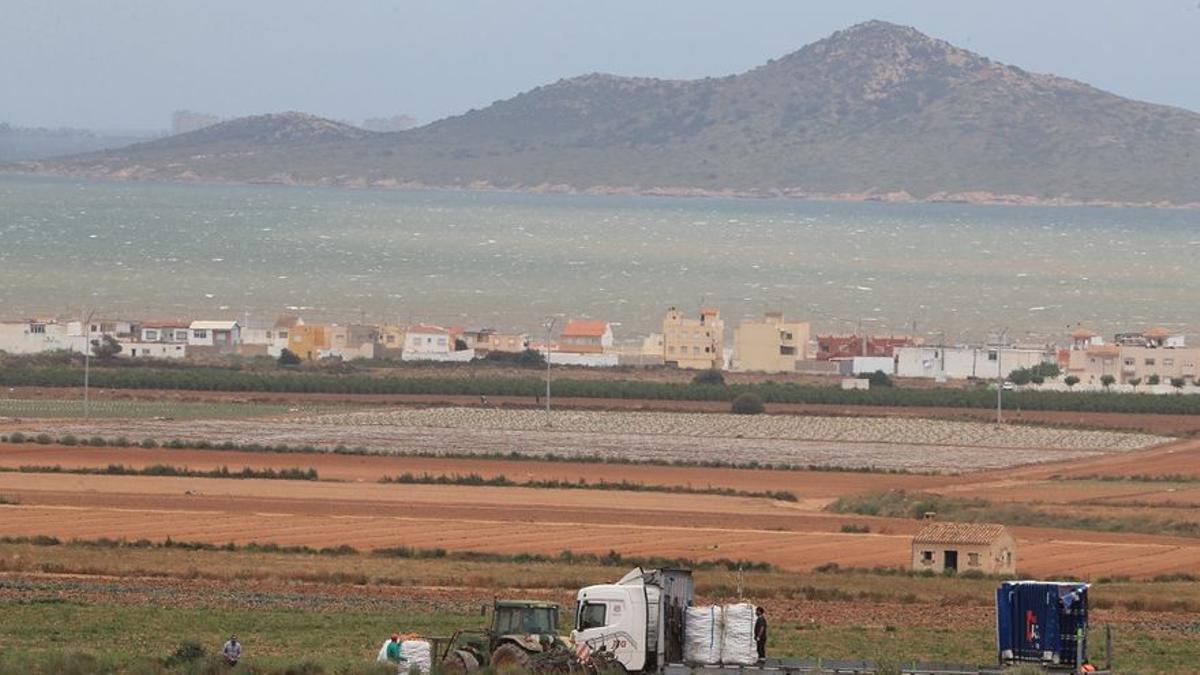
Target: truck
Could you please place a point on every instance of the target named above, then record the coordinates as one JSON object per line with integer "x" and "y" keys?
{"x": 637, "y": 625}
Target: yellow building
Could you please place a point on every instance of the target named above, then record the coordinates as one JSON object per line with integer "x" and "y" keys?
{"x": 391, "y": 340}
{"x": 698, "y": 343}
{"x": 771, "y": 345}
{"x": 307, "y": 340}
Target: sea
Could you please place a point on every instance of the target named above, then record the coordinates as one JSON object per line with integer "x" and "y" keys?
{"x": 511, "y": 261}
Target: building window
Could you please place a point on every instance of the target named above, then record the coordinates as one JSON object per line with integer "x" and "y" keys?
{"x": 1149, "y": 362}
{"x": 992, "y": 355}
{"x": 1168, "y": 362}
{"x": 927, "y": 557}
{"x": 283, "y": 334}
{"x": 181, "y": 335}
{"x": 151, "y": 336}
{"x": 37, "y": 328}
{"x": 1130, "y": 362}
{"x": 1108, "y": 362}
{"x": 200, "y": 334}
{"x": 973, "y": 559}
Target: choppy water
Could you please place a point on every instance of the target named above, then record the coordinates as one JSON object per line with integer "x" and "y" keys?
{"x": 509, "y": 260}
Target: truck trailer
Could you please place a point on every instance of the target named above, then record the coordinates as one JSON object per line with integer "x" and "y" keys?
{"x": 638, "y": 624}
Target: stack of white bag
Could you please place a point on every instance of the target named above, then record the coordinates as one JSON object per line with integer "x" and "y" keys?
{"x": 417, "y": 654}
{"x": 702, "y": 629}
{"x": 738, "y": 646}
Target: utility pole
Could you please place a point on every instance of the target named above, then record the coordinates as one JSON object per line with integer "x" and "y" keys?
{"x": 87, "y": 359}
{"x": 549, "y": 332}
{"x": 1000, "y": 373}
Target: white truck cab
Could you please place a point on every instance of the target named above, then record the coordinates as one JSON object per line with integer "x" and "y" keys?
{"x": 639, "y": 619}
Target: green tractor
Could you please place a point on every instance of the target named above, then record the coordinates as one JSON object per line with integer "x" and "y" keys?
{"x": 523, "y": 637}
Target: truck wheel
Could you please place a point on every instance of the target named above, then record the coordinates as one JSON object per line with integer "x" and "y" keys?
{"x": 460, "y": 663}
{"x": 509, "y": 658}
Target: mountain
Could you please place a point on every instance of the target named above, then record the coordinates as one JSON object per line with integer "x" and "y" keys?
{"x": 877, "y": 111}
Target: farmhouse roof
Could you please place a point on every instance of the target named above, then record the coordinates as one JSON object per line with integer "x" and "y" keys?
{"x": 165, "y": 324}
{"x": 1082, "y": 334}
{"x": 585, "y": 328}
{"x": 288, "y": 321}
{"x": 1157, "y": 332}
{"x": 959, "y": 533}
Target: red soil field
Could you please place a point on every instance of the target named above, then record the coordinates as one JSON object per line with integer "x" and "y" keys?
{"x": 517, "y": 520}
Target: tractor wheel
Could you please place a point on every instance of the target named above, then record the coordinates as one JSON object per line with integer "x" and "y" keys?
{"x": 509, "y": 658}
{"x": 460, "y": 663}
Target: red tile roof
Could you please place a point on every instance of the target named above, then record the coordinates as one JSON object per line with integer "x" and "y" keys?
{"x": 585, "y": 328}
{"x": 959, "y": 533}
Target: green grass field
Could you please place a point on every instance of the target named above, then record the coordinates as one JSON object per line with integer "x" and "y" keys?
{"x": 125, "y": 638}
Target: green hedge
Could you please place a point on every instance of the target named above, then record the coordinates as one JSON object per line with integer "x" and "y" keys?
{"x": 220, "y": 379}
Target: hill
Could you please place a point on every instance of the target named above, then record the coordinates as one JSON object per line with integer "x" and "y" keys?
{"x": 877, "y": 111}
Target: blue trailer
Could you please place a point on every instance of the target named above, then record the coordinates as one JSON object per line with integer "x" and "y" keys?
{"x": 1042, "y": 622}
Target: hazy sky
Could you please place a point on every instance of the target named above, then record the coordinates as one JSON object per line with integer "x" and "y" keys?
{"x": 126, "y": 64}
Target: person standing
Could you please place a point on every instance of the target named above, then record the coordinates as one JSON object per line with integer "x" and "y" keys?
{"x": 232, "y": 651}
{"x": 760, "y": 633}
{"x": 395, "y": 655}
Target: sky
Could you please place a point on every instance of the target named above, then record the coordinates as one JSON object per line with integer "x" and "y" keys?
{"x": 127, "y": 64}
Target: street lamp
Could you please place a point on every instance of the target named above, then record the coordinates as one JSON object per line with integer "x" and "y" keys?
{"x": 87, "y": 358}
{"x": 1000, "y": 373}
{"x": 549, "y": 332}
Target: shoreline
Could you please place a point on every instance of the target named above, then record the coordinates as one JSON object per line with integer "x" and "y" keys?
{"x": 139, "y": 174}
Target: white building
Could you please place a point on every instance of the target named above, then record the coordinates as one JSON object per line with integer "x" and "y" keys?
{"x": 424, "y": 342}
{"x": 964, "y": 362}
{"x": 157, "y": 340}
{"x": 36, "y": 336}
{"x": 219, "y": 336}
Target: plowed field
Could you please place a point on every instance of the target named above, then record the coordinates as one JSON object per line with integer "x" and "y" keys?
{"x": 519, "y": 520}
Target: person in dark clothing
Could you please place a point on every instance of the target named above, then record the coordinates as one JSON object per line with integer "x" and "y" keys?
{"x": 760, "y": 633}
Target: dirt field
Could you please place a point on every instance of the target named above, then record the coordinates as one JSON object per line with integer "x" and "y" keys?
{"x": 369, "y": 515}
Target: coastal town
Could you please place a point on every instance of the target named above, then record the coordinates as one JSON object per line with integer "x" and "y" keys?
{"x": 1153, "y": 360}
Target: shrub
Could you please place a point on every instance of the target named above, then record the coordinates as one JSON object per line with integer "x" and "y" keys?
{"x": 1107, "y": 381}
{"x": 854, "y": 528}
{"x": 748, "y": 404}
{"x": 16, "y": 437}
{"x": 187, "y": 652}
{"x": 1153, "y": 379}
{"x": 288, "y": 358}
{"x": 149, "y": 443}
{"x": 68, "y": 440}
{"x": 1071, "y": 381}
{"x": 879, "y": 379}
{"x": 712, "y": 376}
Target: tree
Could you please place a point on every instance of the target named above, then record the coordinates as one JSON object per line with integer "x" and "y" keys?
{"x": 106, "y": 348}
{"x": 1107, "y": 381}
{"x": 710, "y": 376}
{"x": 1134, "y": 382}
{"x": 1178, "y": 382}
{"x": 1153, "y": 379}
{"x": 288, "y": 357}
{"x": 748, "y": 404}
{"x": 1071, "y": 381}
{"x": 1036, "y": 379}
{"x": 879, "y": 379}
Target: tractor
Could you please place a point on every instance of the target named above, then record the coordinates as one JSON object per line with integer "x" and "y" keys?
{"x": 523, "y": 637}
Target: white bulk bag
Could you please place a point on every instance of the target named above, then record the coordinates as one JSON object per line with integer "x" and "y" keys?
{"x": 382, "y": 657}
{"x": 702, "y": 635}
{"x": 737, "y": 640}
{"x": 418, "y": 653}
